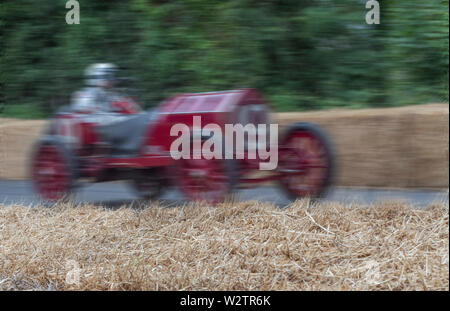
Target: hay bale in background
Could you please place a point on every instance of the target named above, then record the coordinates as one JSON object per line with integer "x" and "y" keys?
{"x": 396, "y": 147}
{"x": 392, "y": 147}
{"x": 16, "y": 140}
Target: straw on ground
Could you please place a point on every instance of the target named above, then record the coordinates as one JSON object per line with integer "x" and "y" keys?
{"x": 233, "y": 246}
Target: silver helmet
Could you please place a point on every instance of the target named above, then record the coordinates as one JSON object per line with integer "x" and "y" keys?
{"x": 100, "y": 75}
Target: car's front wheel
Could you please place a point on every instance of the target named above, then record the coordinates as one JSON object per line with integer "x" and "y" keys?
{"x": 306, "y": 161}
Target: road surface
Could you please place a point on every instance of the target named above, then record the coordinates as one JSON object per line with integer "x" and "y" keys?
{"x": 115, "y": 194}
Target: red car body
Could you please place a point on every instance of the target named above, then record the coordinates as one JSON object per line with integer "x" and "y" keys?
{"x": 72, "y": 151}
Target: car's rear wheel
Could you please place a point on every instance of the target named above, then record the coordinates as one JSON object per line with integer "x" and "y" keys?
{"x": 306, "y": 161}
{"x": 52, "y": 170}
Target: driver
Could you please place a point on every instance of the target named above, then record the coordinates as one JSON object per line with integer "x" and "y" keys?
{"x": 119, "y": 120}
{"x": 98, "y": 97}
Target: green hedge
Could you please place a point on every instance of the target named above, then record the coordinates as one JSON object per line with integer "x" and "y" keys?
{"x": 302, "y": 54}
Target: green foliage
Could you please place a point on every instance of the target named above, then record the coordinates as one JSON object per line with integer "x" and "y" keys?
{"x": 302, "y": 54}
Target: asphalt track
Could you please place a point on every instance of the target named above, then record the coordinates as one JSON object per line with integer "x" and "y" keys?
{"x": 116, "y": 194}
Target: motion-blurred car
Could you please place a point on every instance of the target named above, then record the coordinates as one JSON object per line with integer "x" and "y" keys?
{"x": 71, "y": 152}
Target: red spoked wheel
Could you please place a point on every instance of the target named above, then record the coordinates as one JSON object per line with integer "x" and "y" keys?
{"x": 306, "y": 161}
{"x": 52, "y": 171}
{"x": 205, "y": 180}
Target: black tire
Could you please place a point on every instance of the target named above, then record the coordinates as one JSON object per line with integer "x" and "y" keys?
{"x": 148, "y": 184}
{"x": 321, "y": 136}
{"x": 69, "y": 162}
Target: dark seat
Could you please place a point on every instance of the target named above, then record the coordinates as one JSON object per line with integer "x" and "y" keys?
{"x": 125, "y": 137}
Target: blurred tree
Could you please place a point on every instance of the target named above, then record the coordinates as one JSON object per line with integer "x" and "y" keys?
{"x": 302, "y": 54}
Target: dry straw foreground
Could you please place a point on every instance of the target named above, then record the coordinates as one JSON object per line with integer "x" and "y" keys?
{"x": 242, "y": 246}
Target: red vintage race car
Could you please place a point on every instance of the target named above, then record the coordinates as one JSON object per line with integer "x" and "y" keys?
{"x": 71, "y": 152}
